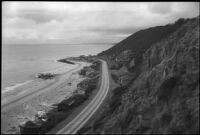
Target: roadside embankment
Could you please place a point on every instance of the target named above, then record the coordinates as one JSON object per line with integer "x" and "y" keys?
{"x": 45, "y": 121}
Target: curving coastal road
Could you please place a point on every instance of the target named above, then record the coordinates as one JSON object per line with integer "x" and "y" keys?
{"x": 73, "y": 126}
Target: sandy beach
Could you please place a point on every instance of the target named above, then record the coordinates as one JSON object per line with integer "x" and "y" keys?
{"x": 25, "y": 101}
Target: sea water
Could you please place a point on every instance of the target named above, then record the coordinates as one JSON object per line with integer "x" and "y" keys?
{"x": 20, "y": 63}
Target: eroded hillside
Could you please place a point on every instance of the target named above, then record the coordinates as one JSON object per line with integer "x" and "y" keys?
{"x": 157, "y": 92}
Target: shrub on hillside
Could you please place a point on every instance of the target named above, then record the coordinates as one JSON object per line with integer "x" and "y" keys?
{"x": 78, "y": 99}
{"x": 166, "y": 118}
{"x": 115, "y": 66}
{"x": 115, "y": 100}
{"x": 119, "y": 91}
{"x": 114, "y": 104}
{"x": 99, "y": 121}
{"x": 96, "y": 65}
{"x": 169, "y": 83}
{"x": 90, "y": 88}
{"x": 166, "y": 88}
{"x": 64, "y": 107}
{"x": 82, "y": 72}
{"x": 114, "y": 77}
{"x": 127, "y": 117}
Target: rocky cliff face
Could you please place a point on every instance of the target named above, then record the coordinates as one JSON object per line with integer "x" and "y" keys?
{"x": 163, "y": 95}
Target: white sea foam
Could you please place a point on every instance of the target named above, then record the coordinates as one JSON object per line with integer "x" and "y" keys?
{"x": 10, "y": 88}
{"x": 55, "y": 61}
{"x": 22, "y": 62}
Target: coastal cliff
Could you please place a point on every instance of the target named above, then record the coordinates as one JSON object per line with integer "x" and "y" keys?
{"x": 156, "y": 77}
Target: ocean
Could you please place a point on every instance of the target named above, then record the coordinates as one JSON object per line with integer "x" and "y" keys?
{"x": 21, "y": 63}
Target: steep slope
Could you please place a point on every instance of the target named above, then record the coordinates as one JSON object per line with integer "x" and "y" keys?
{"x": 163, "y": 95}
{"x": 143, "y": 39}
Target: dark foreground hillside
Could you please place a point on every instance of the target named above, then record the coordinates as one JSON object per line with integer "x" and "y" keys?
{"x": 156, "y": 77}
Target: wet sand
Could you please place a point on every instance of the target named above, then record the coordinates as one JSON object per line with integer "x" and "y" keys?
{"x": 24, "y": 102}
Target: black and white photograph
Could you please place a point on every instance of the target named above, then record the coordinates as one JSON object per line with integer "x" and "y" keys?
{"x": 100, "y": 67}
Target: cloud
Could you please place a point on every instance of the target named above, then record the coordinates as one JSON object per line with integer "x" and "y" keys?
{"x": 160, "y": 8}
{"x": 85, "y": 22}
{"x": 19, "y": 22}
{"x": 39, "y": 16}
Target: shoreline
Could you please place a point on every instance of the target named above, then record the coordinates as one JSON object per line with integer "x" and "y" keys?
{"x": 55, "y": 87}
{"x": 19, "y": 84}
{"x": 56, "y": 79}
{"x": 80, "y": 97}
{"x": 15, "y": 89}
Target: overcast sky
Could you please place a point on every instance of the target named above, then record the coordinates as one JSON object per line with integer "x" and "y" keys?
{"x": 86, "y": 22}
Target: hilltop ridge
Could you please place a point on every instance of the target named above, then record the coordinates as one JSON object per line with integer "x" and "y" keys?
{"x": 155, "y": 74}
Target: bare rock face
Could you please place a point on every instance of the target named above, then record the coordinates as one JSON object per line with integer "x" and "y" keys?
{"x": 164, "y": 98}
{"x": 132, "y": 63}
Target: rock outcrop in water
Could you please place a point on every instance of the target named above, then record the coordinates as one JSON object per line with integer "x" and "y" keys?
{"x": 160, "y": 92}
